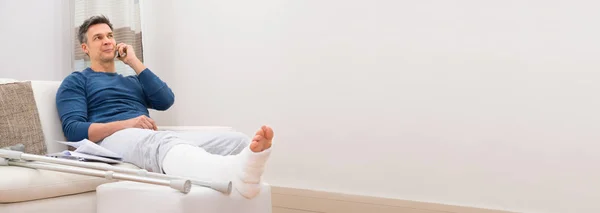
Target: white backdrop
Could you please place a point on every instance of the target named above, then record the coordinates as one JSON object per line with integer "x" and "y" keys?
{"x": 476, "y": 103}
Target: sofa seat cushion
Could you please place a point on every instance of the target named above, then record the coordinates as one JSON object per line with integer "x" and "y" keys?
{"x": 19, "y": 184}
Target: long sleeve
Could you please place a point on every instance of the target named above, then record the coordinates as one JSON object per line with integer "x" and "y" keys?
{"x": 158, "y": 94}
{"x": 72, "y": 107}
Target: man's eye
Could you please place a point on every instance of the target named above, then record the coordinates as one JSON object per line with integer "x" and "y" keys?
{"x": 110, "y": 36}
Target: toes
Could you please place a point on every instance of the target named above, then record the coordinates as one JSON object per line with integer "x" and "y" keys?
{"x": 255, "y": 146}
{"x": 262, "y": 139}
{"x": 268, "y": 132}
{"x": 260, "y": 132}
{"x": 257, "y": 138}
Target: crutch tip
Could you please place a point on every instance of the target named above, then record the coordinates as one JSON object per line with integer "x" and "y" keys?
{"x": 182, "y": 185}
{"x": 224, "y": 187}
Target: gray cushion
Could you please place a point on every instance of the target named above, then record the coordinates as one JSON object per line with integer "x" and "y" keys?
{"x": 19, "y": 118}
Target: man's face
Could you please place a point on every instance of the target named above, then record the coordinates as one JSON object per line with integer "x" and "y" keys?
{"x": 100, "y": 45}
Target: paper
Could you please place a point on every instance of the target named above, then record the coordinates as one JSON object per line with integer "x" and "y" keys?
{"x": 90, "y": 148}
{"x": 82, "y": 157}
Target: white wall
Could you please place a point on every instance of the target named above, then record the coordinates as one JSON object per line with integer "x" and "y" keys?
{"x": 36, "y": 39}
{"x": 476, "y": 103}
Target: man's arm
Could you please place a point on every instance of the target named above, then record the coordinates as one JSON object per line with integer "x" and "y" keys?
{"x": 71, "y": 104}
{"x": 99, "y": 131}
{"x": 158, "y": 94}
{"x": 72, "y": 107}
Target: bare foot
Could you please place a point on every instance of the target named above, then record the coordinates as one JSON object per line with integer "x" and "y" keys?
{"x": 262, "y": 139}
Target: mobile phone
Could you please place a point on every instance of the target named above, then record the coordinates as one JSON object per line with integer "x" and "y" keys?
{"x": 117, "y": 55}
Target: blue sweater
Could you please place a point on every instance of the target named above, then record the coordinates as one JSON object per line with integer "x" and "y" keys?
{"x": 88, "y": 97}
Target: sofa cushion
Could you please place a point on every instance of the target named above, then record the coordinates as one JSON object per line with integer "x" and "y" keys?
{"x": 44, "y": 93}
{"x": 134, "y": 197}
{"x": 19, "y": 184}
{"x": 19, "y": 118}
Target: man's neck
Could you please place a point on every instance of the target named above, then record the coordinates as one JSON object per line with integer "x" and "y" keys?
{"x": 103, "y": 66}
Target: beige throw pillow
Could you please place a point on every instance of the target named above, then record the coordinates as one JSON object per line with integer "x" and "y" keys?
{"x": 19, "y": 118}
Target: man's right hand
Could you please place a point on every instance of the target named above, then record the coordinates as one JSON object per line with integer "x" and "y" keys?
{"x": 99, "y": 131}
{"x": 142, "y": 122}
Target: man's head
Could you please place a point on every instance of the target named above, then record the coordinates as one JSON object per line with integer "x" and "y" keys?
{"x": 96, "y": 38}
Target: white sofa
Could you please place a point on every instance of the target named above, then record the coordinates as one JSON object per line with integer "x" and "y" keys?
{"x": 31, "y": 190}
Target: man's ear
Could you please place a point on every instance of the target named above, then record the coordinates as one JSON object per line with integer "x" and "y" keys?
{"x": 84, "y": 48}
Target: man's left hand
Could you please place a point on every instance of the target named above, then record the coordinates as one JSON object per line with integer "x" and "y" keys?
{"x": 126, "y": 52}
{"x": 128, "y": 57}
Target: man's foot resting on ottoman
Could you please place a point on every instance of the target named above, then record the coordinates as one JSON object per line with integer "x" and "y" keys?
{"x": 244, "y": 169}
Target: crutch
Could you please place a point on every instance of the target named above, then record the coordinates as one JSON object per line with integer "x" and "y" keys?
{"x": 17, "y": 158}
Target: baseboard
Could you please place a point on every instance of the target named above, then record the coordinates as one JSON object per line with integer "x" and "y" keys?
{"x": 291, "y": 200}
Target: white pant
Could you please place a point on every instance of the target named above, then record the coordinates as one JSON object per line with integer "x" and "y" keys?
{"x": 147, "y": 148}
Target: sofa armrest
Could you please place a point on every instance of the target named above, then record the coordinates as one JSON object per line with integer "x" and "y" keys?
{"x": 196, "y": 128}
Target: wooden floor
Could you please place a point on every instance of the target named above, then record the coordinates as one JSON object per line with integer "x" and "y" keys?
{"x": 289, "y": 200}
{"x": 288, "y": 210}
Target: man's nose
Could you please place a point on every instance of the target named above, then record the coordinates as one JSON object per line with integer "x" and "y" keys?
{"x": 106, "y": 41}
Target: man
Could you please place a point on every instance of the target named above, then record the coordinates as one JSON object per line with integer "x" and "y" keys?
{"x": 112, "y": 110}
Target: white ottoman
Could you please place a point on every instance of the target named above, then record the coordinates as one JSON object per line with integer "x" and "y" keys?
{"x": 134, "y": 197}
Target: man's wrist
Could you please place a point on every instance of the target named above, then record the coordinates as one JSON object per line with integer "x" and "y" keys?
{"x": 119, "y": 125}
{"x": 136, "y": 65}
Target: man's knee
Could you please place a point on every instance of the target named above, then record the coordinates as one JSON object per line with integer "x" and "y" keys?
{"x": 237, "y": 141}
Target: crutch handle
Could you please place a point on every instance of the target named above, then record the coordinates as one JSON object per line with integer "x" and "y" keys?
{"x": 10, "y": 154}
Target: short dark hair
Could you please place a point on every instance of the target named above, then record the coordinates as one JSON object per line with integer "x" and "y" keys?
{"x": 83, "y": 28}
